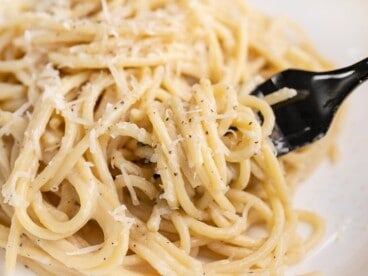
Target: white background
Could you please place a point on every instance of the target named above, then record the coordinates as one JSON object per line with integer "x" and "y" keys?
{"x": 339, "y": 193}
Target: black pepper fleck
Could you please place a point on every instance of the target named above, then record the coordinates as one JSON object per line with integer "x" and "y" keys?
{"x": 140, "y": 144}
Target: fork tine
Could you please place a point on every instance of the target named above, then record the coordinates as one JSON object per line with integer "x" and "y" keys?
{"x": 281, "y": 144}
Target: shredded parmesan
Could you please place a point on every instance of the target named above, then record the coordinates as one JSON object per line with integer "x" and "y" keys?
{"x": 50, "y": 82}
{"x": 93, "y": 141}
{"x": 119, "y": 214}
{"x": 128, "y": 184}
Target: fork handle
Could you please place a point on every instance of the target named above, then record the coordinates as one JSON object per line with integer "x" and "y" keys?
{"x": 340, "y": 83}
{"x": 362, "y": 70}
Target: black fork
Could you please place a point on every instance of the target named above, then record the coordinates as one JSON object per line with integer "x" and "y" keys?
{"x": 306, "y": 117}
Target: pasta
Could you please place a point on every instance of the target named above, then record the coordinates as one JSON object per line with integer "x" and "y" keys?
{"x": 130, "y": 144}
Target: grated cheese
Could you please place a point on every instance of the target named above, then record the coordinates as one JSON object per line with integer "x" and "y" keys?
{"x": 92, "y": 141}
{"x": 119, "y": 214}
{"x": 128, "y": 184}
{"x": 50, "y": 82}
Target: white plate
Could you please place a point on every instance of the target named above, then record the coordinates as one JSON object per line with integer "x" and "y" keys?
{"x": 337, "y": 192}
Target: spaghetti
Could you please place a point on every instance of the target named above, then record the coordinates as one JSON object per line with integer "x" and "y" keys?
{"x": 129, "y": 141}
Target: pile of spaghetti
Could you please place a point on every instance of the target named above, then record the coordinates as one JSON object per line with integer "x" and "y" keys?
{"x": 129, "y": 143}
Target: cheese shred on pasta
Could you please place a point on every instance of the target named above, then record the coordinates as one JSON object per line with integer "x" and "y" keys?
{"x": 129, "y": 143}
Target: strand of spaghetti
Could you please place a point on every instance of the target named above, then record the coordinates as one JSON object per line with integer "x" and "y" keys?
{"x": 131, "y": 130}
{"x": 261, "y": 106}
{"x": 87, "y": 193}
{"x": 27, "y": 249}
{"x": 244, "y": 197}
{"x": 278, "y": 179}
{"x": 215, "y": 232}
{"x": 191, "y": 147}
{"x": 58, "y": 230}
{"x": 36, "y": 125}
{"x": 241, "y": 56}
{"x": 83, "y": 144}
{"x": 91, "y": 92}
{"x": 14, "y": 65}
{"x": 52, "y": 37}
{"x": 215, "y": 181}
{"x": 227, "y": 103}
{"x": 208, "y": 108}
{"x": 155, "y": 260}
{"x": 141, "y": 183}
{"x": 218, "y": 217}
{"x": 118, "y": 234}
{"x": 279, "y": 253}
{"x": 170, "y": 153}
{"x": 190, "y": 263}
{"x": 4, "y": 162}
{"x": 100, "y": 165}
{"x": 50, "y": 170}
{"x": 170, "y": 260}
{"x": 11, "y": 91}
{"x": 100, "y": 62}
{"x": 229, "y": 251}
{"x": 87, "y": 27}
{"x": 243, "y": 177}
{"x": 245, "y": 263}
{"x": 183, "y": 231}
{"x": 12, "y": 246}
{"x": 101, "y": 261}
{"x": 30, "y": 152}
{"x": 215, "y": 55}
{"x": 318, "y": 227}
